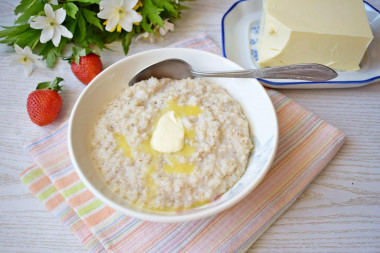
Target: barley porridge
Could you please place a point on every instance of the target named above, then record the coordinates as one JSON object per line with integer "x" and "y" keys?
{"x": 216, "y": 144}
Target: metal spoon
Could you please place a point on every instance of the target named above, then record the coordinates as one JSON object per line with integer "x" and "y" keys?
{"x": 179, "y": 69}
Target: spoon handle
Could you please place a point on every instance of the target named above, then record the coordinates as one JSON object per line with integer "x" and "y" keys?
{"x": 310, "y": 72}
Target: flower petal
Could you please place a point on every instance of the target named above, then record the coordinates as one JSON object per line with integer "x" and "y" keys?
{"x": 118, "y": 3}
{"x": 133, "y": 16}
{"x": 106, "y": 13}
{"x": 28, "y": 69}
{"x": 18, "y": 49}
{"x": 126, "y": 23}
{"x": 64, "y": 31}
{"x": 54, "y": 2}
{"x": 169, "y": 26}
{"x": 49, "y": 11}
{"x": 13, "y": 60}
{"x": 110, "y": 4}
{"x": 112, "y": 22}
{"x": 39, "y": 22}
{"x": 162, "y": 31}
{"x": 38, "y": 63}
{"x": 56, "y": 37}
{"x": 27, "y": 52}
{"x": 142, "y": 36}
{"x": 129, "y": 4}
{"x": 60, "y": 15}
{"x": 46, "y": 34}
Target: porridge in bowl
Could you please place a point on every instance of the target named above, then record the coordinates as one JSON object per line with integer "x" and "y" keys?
{"x": 170, "y": 145}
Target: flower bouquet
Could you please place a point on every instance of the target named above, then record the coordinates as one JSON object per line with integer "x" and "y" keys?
{"x": 44, "y": 27}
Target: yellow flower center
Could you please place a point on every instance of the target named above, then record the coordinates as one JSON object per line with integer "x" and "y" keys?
{"x": 24, "y": 60}
{"x": 121, "y": 12}
{"x": 50, "y": 22}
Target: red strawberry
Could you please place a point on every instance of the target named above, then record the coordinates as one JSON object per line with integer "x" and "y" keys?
{"x": 85, "y": 64}
{"x": 44, "y": 104}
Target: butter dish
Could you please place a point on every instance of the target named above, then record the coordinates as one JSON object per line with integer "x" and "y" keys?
{"x": 240, "y": 29}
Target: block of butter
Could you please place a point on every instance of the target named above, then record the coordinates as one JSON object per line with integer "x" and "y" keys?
{"x": 335, "y": 33}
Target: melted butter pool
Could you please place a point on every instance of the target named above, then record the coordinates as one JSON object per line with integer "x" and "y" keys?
{"x": 171, "y": 164}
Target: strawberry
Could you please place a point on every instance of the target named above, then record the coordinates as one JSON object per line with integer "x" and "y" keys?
{"x": 85, "y": 64}
{"x": 44, "y": 104}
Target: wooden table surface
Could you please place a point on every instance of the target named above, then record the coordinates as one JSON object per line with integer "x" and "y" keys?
{"x": 338, "y": 212}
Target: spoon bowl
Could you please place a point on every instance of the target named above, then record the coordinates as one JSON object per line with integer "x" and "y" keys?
{"x": 179, "y": 69}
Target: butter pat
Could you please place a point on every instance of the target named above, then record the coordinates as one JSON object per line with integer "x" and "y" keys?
{"x": 334, "y": 33}
{"x": 169, "y": 135}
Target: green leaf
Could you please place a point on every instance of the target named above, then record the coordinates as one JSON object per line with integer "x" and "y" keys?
{"x": 9, "y": 41}
{"x": 71, "y": 24}
{"x": 151, "y": 15}
{"x": 62, "y": 45}
{"x": 24, "y": 5}
{"x": 30, "y": 10}
{"x": 168, "y": 5}
{"x": 43, "y": 85}
{"x": 13, "y": 31}
{"x": 51, "y": 58}
{"x": 75, "y": 56}
{"x": 71, "y": 9}
{"x": 54, "y": 85}
{"x": 22, "y": 35}
{"x": 49, "y": 53}
{"x": 91, "y": 18}
{"x": 108, "y": 37}
{"x": 78, "y": 52}
{"x": 85, "y": 1}
{"x": 93, "y": 36}
{"x": 81, "y": 22}
{"x": 80, "y": 33}
{"x": 183, "y": 7}
{"x": 126, "y": 41}
{"x": 29, "y": 38}
{"x": 46, "y": 47}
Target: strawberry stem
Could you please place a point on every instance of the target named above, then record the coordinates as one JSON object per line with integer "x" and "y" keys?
{"x": 53, "y": 85}
{"x": 78, "y": 52}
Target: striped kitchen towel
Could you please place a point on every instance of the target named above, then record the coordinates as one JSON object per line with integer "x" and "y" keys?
{"x": 306, "y": 146}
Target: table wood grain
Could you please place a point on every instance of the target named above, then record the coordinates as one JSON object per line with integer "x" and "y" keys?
{"x": 338, "y": 212}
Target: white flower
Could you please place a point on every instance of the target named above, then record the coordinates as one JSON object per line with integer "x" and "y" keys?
{"x": 53, "y": 2}
{"x": 167, "y": 27}
{"x": 51, "y": 25}
{"x": 146, "y": 36}
{"x": 26, "y": 58}
{"x": 158, "y": 32}
{"x": 119, "y": 14}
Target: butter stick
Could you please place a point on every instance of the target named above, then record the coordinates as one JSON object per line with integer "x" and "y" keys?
{"x": 335, "y": 33}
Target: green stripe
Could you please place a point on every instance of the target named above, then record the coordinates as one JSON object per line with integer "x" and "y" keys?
{"x": 89, "y": 208}
{"x": 49, "y": 191}
{"x": 72, "y": 190}
{"x": 32, "y": 175}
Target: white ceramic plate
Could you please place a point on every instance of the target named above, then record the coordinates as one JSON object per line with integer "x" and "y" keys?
{"x": 254, "y": 100}
{"x": 240, "y": 26}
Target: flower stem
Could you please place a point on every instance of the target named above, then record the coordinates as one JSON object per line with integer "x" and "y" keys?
{"x": 35, "y": 44}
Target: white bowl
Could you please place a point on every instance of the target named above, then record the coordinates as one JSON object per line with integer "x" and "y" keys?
{"x": 253, "y": 98}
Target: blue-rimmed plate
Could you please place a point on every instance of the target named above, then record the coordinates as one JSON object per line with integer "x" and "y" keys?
{"x": 240, "y": 27}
